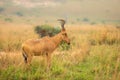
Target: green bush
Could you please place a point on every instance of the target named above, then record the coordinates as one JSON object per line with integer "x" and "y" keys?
{"x": 46, "y": 30}
{"x": 19, "y": 14}
{"x": 8, "y": 20}
{"x": 85, "y": 20}
{"x": 1, "y": 9}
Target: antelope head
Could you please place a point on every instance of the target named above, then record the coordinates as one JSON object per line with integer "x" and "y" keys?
{"x": 63, "y": 32}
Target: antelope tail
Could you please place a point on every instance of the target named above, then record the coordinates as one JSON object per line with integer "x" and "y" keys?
{"x": 24, "y": 55}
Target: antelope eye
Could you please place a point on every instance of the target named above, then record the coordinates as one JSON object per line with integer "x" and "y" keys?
{"x": 64, "y": 34}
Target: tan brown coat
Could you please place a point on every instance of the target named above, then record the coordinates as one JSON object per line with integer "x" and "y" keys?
{"x": 44, "y": 46}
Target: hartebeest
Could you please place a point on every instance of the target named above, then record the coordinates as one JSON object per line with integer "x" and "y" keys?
{"x": 44, "y": 46}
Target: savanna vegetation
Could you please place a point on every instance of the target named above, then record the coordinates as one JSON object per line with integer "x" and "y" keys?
{"x": 94, "y": 54}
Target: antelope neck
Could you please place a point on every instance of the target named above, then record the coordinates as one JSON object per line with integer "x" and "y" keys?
{"x": 57, "y": 39}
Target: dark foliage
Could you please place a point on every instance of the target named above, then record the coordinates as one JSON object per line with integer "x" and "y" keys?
{"x": 46, "y": 30}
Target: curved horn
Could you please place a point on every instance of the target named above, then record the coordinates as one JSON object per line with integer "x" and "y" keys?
{"x": 62, "y": 23}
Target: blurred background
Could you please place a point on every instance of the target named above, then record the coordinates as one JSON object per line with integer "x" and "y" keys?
{"x": 75, "y": 11}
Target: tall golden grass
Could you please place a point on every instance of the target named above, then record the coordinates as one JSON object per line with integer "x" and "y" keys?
{"x": 99, "y": 45}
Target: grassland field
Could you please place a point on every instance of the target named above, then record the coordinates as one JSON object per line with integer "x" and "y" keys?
{"x": 94, "y": 54}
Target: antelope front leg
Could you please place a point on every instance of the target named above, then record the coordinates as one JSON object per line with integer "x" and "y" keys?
{"x": 29, "y": 60}
{"x": 48, "y": 61}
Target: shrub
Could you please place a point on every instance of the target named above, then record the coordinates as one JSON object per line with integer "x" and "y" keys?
{"x": 1, "y": 9}
{"x": 93, "y": 23}
{"x": 8, "y": 19}
{"x": 46, "y": 30}
{"x": 19, "y": 14}
{"x": 85, "y": 20}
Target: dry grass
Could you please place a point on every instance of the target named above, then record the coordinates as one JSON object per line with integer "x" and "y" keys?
{"x": 94, "y": 54}
{"x": 12, "y": 35}
{"x": 6, "y": 59}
